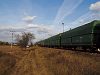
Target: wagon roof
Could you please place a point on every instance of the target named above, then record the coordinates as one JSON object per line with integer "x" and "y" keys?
{"x": 84, "y": 29}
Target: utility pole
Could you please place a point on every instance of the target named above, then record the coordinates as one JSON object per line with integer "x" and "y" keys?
{"x": 12, "y": 33}
{"x": 63, "y": 26}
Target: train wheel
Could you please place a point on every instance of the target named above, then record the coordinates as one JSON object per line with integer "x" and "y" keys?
{"x": 93, "y": 50}
{"x": 84, "y": 48}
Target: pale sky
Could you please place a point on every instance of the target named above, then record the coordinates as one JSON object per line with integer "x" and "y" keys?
{"x": 44, "y": 18}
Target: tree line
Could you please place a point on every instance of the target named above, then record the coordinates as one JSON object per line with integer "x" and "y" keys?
{"x": 23, "y": 40}
{"x": 4, "y": 43}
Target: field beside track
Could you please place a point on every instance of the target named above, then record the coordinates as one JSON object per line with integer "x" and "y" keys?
{"x": 47, "y": 61}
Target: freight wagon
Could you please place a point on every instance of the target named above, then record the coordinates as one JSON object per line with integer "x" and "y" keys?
{"x": 85, "y": 37}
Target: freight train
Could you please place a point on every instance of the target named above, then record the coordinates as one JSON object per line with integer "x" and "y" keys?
{"x": 85, "y": 37}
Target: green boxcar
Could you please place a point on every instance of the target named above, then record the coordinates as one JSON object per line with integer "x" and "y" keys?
{"x": 53, "y": 41}
{"x": 85, "y": 35}
{"x": 96, "y": 35}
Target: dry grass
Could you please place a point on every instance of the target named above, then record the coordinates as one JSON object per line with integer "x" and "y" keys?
{"x": 8, "y": 58}
{"x": 6, "y": 63}
{"x": 61, "y": 62}
{"x": 48, "y": 61}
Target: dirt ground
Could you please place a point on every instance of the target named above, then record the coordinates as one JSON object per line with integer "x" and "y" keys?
{"x": 47, "y": 61}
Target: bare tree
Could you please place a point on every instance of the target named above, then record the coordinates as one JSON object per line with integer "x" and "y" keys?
{"x": 24, "y": 39}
